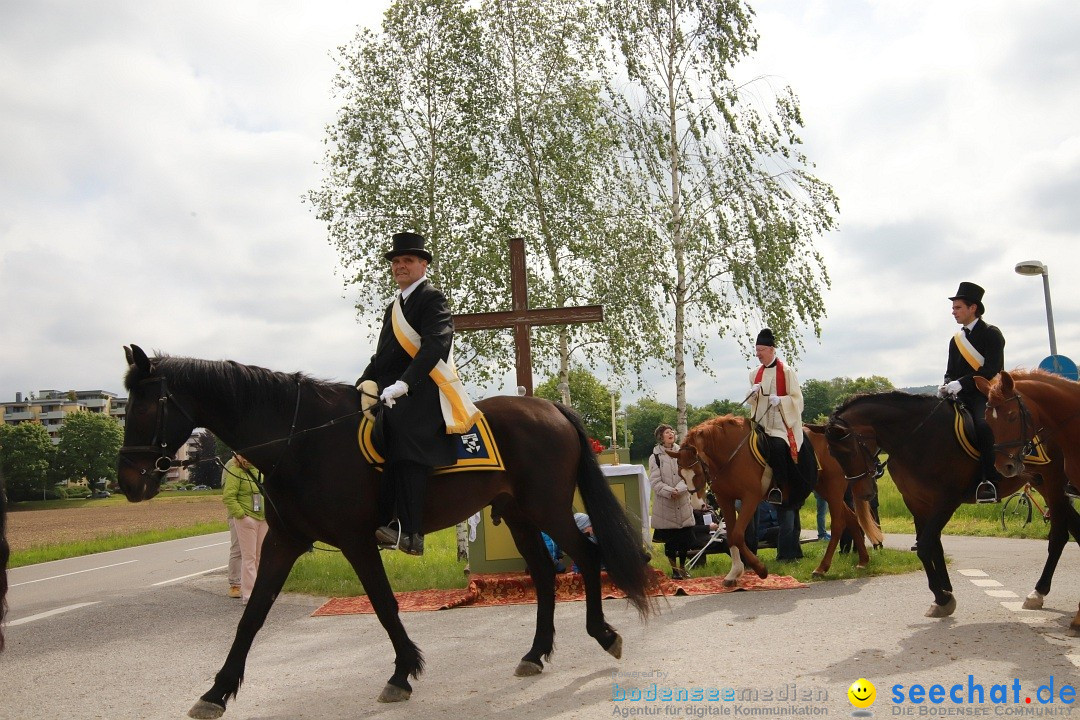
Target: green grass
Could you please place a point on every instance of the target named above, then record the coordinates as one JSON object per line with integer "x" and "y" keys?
{"x": 61, "y": 551}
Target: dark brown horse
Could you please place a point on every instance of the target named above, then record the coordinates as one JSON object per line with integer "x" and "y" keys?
{"x": 302, "y": 434}
{"x": 717, "y": 453}
{"x": 931, "y": 470}
{"x": 1026, "y": 407}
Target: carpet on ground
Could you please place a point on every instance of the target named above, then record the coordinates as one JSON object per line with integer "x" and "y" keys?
{"x": 517, "y": 589}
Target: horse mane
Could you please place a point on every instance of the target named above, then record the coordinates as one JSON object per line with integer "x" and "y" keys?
{"x": 243, "y": 387}
{"x": 1024, "y": 374}
{"x": 721, "y": 424}
{"x": 898, "y": 397}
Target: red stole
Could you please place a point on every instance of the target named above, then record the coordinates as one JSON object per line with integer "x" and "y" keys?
{"x": 781, "y": 389}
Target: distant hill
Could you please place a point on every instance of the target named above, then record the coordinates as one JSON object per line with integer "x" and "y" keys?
{"x": 922, "y": 390}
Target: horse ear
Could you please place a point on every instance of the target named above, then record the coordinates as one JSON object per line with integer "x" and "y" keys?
{"x": 127, "y": 355}
{"x": 139, "y": 359}
{"x": 982, "y": 384}
{"x": 1006, "y": 381}
{"x": 672, "y": 454}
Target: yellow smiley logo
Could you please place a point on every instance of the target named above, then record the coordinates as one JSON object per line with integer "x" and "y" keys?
{"x": 862, "y": 693}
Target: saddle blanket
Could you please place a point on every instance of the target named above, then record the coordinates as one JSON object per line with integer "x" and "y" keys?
{"x": 965, "y": 435}
{"x": 758, "y": 448}
{"x": 476, "y": 449}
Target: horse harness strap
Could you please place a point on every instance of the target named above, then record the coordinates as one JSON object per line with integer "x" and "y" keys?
{"x": 869, "y": 458}
{"x": 158, "y": 444}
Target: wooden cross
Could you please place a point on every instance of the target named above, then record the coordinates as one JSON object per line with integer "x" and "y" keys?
{"x": 521, "y": 318}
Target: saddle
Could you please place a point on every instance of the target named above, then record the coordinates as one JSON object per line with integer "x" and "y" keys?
{"x": 476, "y": 448}
{"x": 759, "y": 449}
{"x": 964, "y": 430}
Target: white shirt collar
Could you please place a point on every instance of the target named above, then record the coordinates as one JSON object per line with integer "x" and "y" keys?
{"x": 408, "y": 291}
{"x": 971, "y": 326}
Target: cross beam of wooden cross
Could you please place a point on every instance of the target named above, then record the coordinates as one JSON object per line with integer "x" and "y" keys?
{"x": 521, "y": 318}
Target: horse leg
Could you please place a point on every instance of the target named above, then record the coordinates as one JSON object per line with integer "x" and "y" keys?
{"x": 277, "y": 557}
{"x": 542, "y": 570}
{"x": 857, "y": 537}
{"x": 740, "y": 553}
{"x": 587, "y": 556}
{"x": 932, "y": 555}
{"x": 363, "y": 554}
{"x": 837, "y": 522}
{"x": 1057, "y": 538}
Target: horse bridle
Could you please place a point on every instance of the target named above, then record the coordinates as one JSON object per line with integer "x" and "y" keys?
{"x": 698, "y": 462}
{"x": 1024, "y": 443}
{"x": 159, "y": 445}
{"x": 875, "y": 466}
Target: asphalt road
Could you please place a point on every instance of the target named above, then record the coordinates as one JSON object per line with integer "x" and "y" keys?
{"x": 158, "y": 630}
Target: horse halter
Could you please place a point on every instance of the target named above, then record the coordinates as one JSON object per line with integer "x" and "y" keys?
{"x": 1024, "y": 443}
{"x": 704, "y": 470}
{"x": 159, "y": 444}
{"x": 875, "y": 466}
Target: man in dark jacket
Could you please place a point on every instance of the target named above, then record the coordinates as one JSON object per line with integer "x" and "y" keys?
{"x": 976, "y": 349}
{"x": 417, "y": 333}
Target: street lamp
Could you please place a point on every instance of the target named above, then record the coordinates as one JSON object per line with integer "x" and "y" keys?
{"x": 1034, "y": 267}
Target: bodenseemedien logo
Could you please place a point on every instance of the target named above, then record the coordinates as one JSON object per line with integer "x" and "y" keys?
{"x": 862, "y": 695}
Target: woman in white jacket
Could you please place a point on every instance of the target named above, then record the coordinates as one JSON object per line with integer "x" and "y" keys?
{"x": 672, "y": 514}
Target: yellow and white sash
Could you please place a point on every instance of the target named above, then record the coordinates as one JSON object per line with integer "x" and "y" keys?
{"x": 974, "y": 358}
{"x": 458, "y": 411}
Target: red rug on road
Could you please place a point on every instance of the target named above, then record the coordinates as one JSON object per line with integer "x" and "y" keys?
{"x": 517, "y": 589}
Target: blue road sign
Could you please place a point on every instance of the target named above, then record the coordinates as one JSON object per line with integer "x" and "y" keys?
{"x": 1060, "y": 365}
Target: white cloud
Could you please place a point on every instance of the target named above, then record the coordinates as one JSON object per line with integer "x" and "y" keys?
{"x": 155, "y": 155}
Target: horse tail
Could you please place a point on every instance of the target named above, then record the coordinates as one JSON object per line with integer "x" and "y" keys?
{"x": 619, "y": 541}
{"x": 867, "y": 522}
{"x": 5, "y": 552}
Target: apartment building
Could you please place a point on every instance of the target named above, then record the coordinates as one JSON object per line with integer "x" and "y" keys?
{"x": 50, "y": 407}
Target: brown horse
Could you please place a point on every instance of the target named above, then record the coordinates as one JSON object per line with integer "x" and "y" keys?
{"x": 931, "y": 470}
{"x": 1026, "y": 407}
{"x": 717, "y": 454}
{"x": 302, "y": 434}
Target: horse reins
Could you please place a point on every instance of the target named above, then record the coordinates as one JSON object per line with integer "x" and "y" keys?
{"x": 869, "y": 458}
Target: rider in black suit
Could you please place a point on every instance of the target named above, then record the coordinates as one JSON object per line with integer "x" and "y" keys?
{"x": 413, "y": 425}
{"x": 978, "y": 349}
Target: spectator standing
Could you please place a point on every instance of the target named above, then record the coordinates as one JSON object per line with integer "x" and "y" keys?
{"x": 240, "y": 483}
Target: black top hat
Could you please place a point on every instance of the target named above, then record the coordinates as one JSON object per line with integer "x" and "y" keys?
{"x": 407, "y": 243}
{"x": 765, "y": 337}
{"x": 970, "y": 293}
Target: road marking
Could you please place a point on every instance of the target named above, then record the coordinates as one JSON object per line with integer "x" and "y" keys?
{"x": 1074, "y": 659}
{"x": 986, "y": 583}
{"x": 203, "y": 547}
{"x": 972, "y": 573}
{"x": 50, "y": 613}
{"x": 1001, "y": 593}
{"x": 185, "y": 577}
{"x": 54, "y": 577}
{"x": 1015, "y": 606}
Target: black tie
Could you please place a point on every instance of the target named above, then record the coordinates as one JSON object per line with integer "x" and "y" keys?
{"x": 967, "y": 332}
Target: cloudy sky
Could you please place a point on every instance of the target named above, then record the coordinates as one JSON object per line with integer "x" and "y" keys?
{"x": 154, "y": 155}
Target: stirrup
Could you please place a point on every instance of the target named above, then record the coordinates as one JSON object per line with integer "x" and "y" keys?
{"x": 387, "y": 537}
{"x": 986, "y": 493}
{"x": 775, "y": 497}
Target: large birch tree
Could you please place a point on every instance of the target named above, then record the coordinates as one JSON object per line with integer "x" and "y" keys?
{"x": 725, "y": 185}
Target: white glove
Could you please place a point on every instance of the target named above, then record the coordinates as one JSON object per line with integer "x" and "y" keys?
{"x": 755, "y": 389}
{"x": 942, "y": 391}
{"x": 393, "y": 391}
{"x": 774, "y": 400}
{"x": 953, "y": 387}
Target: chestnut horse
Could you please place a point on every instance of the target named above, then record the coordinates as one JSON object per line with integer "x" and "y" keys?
{"x": 716, "y": 453}
{"x": 302, "y": 434}
{"x": 930, "y": 469}
{"x": 1036, "y": 406}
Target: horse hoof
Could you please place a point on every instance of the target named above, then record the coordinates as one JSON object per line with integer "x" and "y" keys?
{"x": 527, "y": 668}
{"x": 818, "y": 574}
{"x": 729, "y": 582}
{"x": 615, "y": 650}
{"x": 879, "y": 546}
{"x": 204, "y": 710}
{"x": 940, "y": 611}
{"x": 392, "y": 693}
{"x": 860, "y": 566}
{"x": 1034, "y": 601}
{"x": 1074, "y": 630}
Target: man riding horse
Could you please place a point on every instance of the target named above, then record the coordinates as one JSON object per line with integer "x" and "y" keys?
{"x": 978, "y": 349}
{"x": 777, "y": 404}
{"x": 414, "y": 344}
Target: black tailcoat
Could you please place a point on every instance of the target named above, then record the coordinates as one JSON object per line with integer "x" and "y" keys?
{"x": 989, "y": 341}
{"x": 414, "y": 425}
